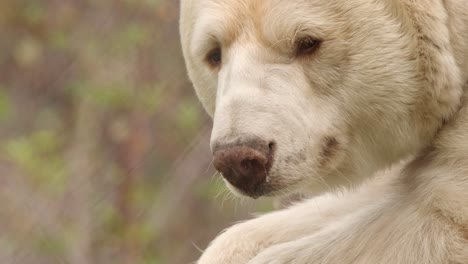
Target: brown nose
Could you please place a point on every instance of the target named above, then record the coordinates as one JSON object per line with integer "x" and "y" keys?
{"x": 245, "y": 165}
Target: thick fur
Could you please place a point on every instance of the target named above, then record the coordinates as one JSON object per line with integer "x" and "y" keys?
{"x": 387, "y": 85}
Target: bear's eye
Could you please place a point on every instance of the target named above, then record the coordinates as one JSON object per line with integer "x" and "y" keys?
{"x": 306, "y": 46}
{"x": 213, "y": 58}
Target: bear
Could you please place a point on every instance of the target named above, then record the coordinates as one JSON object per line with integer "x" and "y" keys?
{"x": 360, "y": 104}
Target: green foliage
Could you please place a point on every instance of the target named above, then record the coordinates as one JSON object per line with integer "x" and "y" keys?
{"x": 188, "y": 116}
{"x": 34, "y": 12}
{"x": 51, "y": 245}
{"x": 119, "y": 96}
{"x": 111, "y": 96}
{"x": 150, "y": 99}
{"x": 121, "y": 61}
{"x": 39, "y": 155}
{"x": 5, "y": 105}
{"x": 60, "y": 40}
{"x": 145, "y": 3}
{"x": 152, "y": 260}
{"x": 132, "y": 36}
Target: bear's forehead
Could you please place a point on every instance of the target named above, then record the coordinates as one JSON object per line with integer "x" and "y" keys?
{"x": 265, "y": 20}
{"x": 235, "y": 19}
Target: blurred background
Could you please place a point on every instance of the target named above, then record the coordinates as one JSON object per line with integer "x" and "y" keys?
{"x": 104, "y": 154}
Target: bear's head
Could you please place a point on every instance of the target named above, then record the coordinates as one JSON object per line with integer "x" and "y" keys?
{"x": 311, "y": 94}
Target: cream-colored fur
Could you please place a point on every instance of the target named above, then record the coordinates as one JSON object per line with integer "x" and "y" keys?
{"x": 387, "y": 83}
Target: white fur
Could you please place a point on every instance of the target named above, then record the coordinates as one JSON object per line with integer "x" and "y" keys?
{"x": 386, "y": 83}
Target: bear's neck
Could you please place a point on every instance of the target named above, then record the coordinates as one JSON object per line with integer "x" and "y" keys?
{"x": 438, "y": 177}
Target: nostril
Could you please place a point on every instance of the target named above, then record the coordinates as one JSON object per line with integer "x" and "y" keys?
{"x": 250, "y": 165}
{"x": 246, "y": 164}
{"x": 271, "y": 146}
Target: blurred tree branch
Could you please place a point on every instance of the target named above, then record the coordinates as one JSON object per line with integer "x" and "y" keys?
{"x": 194, "y": 163}
{"x": 82, "y": 168}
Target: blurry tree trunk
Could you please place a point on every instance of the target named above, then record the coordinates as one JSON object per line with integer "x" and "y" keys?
{"x": 190, "y": 166}
{"x": 82, "y": 165}
{"x": 130, "y": 157}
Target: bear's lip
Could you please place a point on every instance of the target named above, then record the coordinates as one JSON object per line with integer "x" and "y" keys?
{"x": 254, "y": 195}
{"x": 264, "y": 189}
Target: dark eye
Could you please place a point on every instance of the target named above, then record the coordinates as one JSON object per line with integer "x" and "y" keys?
{"x": 306, "y": 46}
{"x": 214, "y": 57}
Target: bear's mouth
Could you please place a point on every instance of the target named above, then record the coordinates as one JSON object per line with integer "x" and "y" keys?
{"x": 276, "y": 183}
{"x": 265, "y": 189}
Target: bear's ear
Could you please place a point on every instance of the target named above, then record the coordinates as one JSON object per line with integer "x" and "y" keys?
{"x": 434, "y": 54}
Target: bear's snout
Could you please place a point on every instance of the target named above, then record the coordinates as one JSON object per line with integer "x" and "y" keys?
{"x": 245, "y": 164}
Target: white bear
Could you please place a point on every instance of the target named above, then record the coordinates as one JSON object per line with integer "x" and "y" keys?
{"x": 322, "y": 96}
